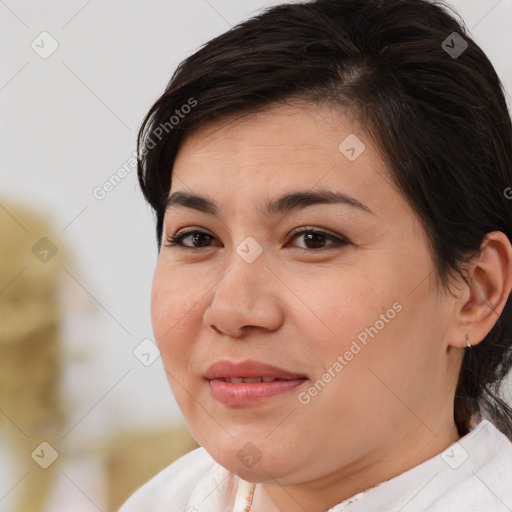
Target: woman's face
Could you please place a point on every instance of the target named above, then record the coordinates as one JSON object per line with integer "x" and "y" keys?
{"x": 348, "y": 304}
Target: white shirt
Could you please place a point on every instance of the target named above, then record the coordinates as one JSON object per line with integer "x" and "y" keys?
{"x": 473, "y": 474}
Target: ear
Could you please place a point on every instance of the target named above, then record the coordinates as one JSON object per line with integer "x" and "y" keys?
{"x": 490, "y": 278}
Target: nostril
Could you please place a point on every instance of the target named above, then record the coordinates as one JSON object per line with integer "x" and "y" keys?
{"x": 215, "y": 329}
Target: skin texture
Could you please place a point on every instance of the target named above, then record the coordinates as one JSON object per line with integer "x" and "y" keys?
{"x": 299, "y": 307}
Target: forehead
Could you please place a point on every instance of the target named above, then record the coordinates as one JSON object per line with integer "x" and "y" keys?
{"x": 282, "y": 148}
{"x": 280, "y": 128}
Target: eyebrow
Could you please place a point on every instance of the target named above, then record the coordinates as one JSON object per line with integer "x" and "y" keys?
{"x": 283, "y": 204}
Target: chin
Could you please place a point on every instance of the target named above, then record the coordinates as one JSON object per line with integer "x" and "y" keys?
{"x": 251, "y": 463}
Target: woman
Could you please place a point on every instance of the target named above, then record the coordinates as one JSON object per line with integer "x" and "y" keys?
{"x": 331, "y": 298}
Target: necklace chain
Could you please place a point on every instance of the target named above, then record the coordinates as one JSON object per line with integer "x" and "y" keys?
{"x": 251, "y": 497}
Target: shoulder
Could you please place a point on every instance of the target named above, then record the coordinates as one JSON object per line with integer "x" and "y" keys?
{"x": 473, "y": 474}
{"x": 479, "y": 472}
{"x": 480, "y": 465}
{"x": 491, "y": 479}
{"x": 172, "y": 489}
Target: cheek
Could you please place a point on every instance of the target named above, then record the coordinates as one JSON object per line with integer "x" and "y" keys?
{"x": 174, "y": 319}
{"x": 345, "y": 306}
{"x": 163, "y": 302}
{"x": 386, "y": 347}
{"x": 175, "y": 310}
{"x": 354, "y": 326}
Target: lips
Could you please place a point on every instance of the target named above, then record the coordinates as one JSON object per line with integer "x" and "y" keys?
{"x": 248, "y": 371}
{"x": 249, "y": 383}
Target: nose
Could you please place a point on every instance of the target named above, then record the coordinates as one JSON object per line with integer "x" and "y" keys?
{"x": 246, "y": 297}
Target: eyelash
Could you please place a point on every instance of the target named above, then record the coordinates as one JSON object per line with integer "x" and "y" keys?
{"x": 172, "y": 241}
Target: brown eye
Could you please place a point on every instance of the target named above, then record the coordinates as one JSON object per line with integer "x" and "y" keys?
{"x": 315, "y": 239}
{"x": 198, "y": 239}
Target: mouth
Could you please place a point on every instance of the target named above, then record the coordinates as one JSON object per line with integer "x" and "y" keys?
{"x": 238, "y": 380}
{"x": 249, "y": 369}
{"x": 249, "y": 382}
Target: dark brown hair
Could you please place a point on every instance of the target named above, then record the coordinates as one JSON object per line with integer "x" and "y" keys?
{"x": 435, "y": 108}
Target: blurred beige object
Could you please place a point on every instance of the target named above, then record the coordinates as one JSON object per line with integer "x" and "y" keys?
{"x": 134, "y": 457}
{"x": 49, "y": 346}
{"x": 31, "y": 412}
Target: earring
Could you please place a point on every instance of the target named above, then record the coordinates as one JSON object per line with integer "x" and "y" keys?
{"x": 467, "y": 342}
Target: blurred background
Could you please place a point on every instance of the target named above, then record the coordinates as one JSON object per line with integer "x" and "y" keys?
{"x": 86, "y": 414}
